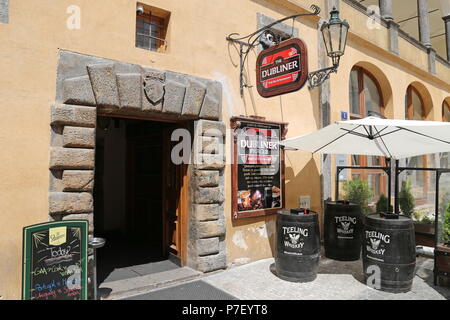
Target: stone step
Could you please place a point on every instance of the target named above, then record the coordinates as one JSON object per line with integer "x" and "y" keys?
{"x": 133, "y": 286}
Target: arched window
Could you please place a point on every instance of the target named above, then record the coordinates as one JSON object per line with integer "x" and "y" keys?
{"x": 414, "y": 107}
{"x": 415, "y": 110}
{"x": 365, "y": 95}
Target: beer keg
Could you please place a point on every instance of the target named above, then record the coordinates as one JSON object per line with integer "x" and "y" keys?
{"x": 342, "y": 230}
{"x": 298, "y": 245}
{"x": 389, "y": 250}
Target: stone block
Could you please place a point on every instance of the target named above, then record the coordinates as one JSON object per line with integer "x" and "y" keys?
{"x": 71, "y": 115}
{"x": 70, "y": 202}
{"x": 209, "y": 161}
{"x": 209, "y": 195}
{"x": 210, "y": 108}
{"x": 211, "y": 128}
{"x": 210, "y": 145}
{"x": 78, "y": 180}
{"x": 173, "y": 97}
{"x": 206, "y": 178}
{"x": 82, "y": 216}
{"x": 208, "y": 229}
{"x": 152, "y": 89}
{"x": 207, "y": 246}
{"x": 195, "y": 93}
{"x": 78, "y": 90}
{"x": 212, "y": 262}
{"x": 207, "y": 212}
{"x": 104, "y": 84}
{"x": 130, "y": 90}
{"x": 70, "y": 158}
{"x": 78, "y": 137}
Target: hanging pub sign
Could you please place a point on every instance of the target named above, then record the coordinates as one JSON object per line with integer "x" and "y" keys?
{"x": 282, "y": 68}
{"x": 55, "y": 261}
{"x": 258, "y": 167}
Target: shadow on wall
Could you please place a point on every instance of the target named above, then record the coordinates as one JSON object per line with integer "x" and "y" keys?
{"x": 306, "y": 182}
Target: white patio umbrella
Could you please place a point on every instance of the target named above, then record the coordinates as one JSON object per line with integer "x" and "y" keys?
{"x": 394, "y": 139}
{"x": 374, "y": 136}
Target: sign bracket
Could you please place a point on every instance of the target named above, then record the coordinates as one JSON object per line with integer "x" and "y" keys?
{"x": 254, "y": 39}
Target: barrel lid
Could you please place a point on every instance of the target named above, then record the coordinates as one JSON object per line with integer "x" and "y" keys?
{"x": 343, "y": 203}
{"x": 376, "y": 219}
{"x": 297, "y": 212}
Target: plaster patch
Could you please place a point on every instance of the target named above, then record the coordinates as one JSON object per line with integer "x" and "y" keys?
{"x": 239, "y": 241}
{"x": 262, "y": 230}
{"x": 226, "y": 91}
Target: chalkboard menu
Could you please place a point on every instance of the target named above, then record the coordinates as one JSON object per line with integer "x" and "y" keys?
{"x": 258, "y": 175}
{"x": 55, "y": 261}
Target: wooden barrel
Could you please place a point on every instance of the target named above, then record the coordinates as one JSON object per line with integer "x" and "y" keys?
{"x": 389, "y": 244}
{"x": 342, "y": 229}
{"x": 298, "y": 245}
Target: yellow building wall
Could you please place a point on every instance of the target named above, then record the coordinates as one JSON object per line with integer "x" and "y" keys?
{"x": 37, "y": 31}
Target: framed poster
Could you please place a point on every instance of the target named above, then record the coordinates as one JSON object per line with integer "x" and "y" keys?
{"x": 55, "y": 261}
{"x": 282, "y": 68}
{"x": 258, "y": 167}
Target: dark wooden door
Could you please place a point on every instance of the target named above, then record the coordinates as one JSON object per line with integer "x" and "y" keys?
{"x": 175, "y": 196}
{"x": 157, "y": 188}
{"x": 145, "y": 192}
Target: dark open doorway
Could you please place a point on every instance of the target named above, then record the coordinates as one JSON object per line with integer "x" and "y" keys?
{"x": 138, "y": 198}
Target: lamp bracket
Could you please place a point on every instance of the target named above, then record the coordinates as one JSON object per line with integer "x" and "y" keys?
{"x": 254, "y": 39}
{"x": 316, "y": 78}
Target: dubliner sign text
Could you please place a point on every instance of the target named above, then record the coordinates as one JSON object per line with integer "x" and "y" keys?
{"x": 282, "y": 68}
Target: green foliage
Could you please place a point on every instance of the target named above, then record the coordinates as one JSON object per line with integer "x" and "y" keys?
{"x": 444, "y": 203}
{"x": 423, "y": 216}
{"x": 406, "y": 199}
{"x": 382, "y": 204}
{"x": 358, "y": 191}
{"x": 445, "y": 236}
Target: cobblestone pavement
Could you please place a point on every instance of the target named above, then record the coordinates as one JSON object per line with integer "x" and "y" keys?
{"x": 335, "y": 281}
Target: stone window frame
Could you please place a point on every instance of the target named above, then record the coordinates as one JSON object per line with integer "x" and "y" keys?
{"x": 159, "y": 19}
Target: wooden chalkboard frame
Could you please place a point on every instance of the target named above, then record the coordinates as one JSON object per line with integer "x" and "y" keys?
{"x": 235, "y": 123}
{"x": 27, "y": 253}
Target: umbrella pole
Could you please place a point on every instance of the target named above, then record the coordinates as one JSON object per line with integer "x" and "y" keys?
{"x": 396, "y": 188}
{"x": 389, "y": 185}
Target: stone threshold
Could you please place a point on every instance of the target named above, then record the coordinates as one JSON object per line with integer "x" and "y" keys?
{"x": 133, "y": 286}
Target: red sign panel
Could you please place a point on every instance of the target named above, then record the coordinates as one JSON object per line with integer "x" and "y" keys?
{"x": 282, "y": 68}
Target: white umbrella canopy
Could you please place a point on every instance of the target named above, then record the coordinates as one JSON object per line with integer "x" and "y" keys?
{"x": 374, "y": 136}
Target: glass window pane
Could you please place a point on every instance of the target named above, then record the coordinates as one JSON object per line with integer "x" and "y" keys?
{"x": 417, "y": 107}
{"x": 373, "y": 161}
{"x": 354, "y": 92}
{"x": 371, "y": 96}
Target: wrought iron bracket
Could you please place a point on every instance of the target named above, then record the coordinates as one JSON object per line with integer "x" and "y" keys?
{"x": 316, "y": 78}
{"x": 254, "y": 39}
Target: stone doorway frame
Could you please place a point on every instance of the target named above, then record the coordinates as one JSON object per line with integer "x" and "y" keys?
{"x": 87, "y": 86}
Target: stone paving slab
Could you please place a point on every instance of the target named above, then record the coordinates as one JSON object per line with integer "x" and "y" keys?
{"x": 194, "y": 290}
{"x": 335, "y": 281}
{"x": 137, "y": 285}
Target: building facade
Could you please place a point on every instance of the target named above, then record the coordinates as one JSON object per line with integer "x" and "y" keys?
{"x": 93, "y": 91}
